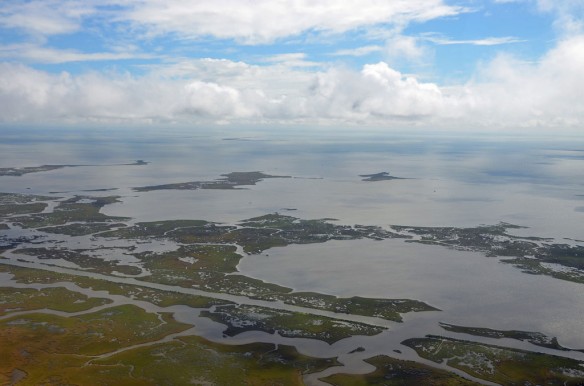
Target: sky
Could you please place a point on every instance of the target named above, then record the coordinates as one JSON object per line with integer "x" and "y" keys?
{"x": 461, "y": 64}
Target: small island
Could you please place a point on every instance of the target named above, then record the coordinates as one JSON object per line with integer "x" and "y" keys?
{"x": 382, "y": 176}
{"x": 535, "y": 338}
{"x": 502, "y": 365}
{"x": 229, "y": 181}
{"x": 20, "y": 171}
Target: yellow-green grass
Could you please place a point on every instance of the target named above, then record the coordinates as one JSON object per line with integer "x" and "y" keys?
{"x": 136, "y": 292}
{"x": 186, "y": 360}
{"x": 289, "y": 324}
{"x": 498, "y": 364}
{"x": 194, "y": 360}
{"x": 42, "y": 344}
{"x": 393, "y": 372}
{"x": 59, "y": 299}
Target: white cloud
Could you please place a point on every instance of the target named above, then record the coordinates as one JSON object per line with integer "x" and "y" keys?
{"x": 400, "y": 48}
{"x": 240, "y": 91}
{"x": 569, "y": 14}
{"x": 260, "y": 21}
{"x": 490, "y": 41}
{"x": 505, "y": 93}
{"x": 376, "y": 92}
{"x": 359, "y": 51}
{"x": 46, "y": 17}
{"x": 182, "y": 93}
{"x": 266, "y": 20}
{"x": 296, "y": 59}
{"x": 213, "y": 100}
{"x": 39, "y": 54}
{"x": 550, "y": 92}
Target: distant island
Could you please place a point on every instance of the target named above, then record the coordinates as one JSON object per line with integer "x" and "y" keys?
{"x": 20, "y": 171}
{"x": 383, "y": 176}
{"x": 229, "y": 181}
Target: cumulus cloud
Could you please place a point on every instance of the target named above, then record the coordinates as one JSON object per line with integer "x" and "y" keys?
{"x": 549, "y": 92}
{"x": 240, "y": 91}
{"x": 209, "y": 99}
{"x": 505, "y": 93}
{"x": 29, "y": 95}
{"x": 376, "y": 92}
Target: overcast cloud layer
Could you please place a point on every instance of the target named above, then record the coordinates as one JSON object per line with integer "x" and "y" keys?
{"x": 269, "y": 61}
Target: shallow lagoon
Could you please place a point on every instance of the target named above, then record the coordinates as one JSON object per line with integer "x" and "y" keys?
{"x": 469, "y": 288}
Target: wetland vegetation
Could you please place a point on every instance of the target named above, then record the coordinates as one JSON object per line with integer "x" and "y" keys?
{"x": 193, "y": 360}
{"x": 125, "y": 342}
{"x": 395, "y": 372}
{"x": 39, "y": 350}
{"x": 535, "y": 338}
{"x": 78, "y": 209}
{"x": 534, "y": 255}
{"x": 57, "y": 298}
{"x": 206, "y": 256}
{"x": 288, "y": 324}
{"x": 502, "y": 365}
{"x": 18, "y": 204}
